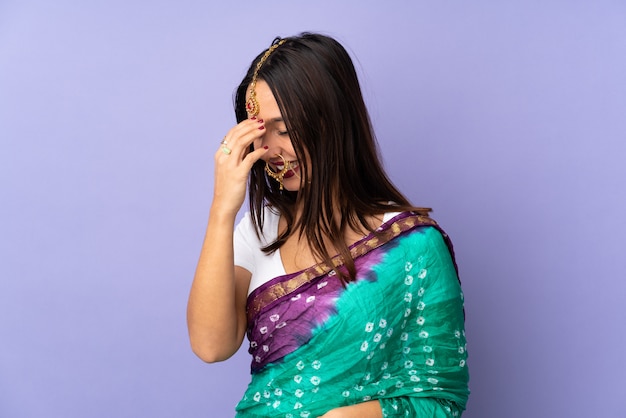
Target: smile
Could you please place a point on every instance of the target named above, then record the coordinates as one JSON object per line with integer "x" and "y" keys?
{"x": 280, "y": 165}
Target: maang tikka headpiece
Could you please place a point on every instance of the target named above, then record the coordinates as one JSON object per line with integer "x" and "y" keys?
{"x": 252, "y": 106}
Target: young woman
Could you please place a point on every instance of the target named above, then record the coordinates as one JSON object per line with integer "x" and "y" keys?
{"x": 348, "y": 294}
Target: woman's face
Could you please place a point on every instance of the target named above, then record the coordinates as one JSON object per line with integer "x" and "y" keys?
{"x": 276, "y": 138}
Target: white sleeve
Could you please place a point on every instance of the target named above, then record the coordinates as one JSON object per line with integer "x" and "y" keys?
{"x": 245, "y": 243}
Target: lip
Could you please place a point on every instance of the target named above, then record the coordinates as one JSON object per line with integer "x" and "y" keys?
{"x": 290, "y": 173}
{"x": 278, "y": 166}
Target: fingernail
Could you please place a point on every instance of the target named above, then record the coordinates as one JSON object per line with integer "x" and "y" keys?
{"x": 266, "y": 147}
{"x": 260, "y": 120}
{"x": 261, "y": 127}
{"x": 253, "y": 118}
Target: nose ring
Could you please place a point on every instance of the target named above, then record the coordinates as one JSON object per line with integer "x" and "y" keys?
{"x": 278, "y": 176}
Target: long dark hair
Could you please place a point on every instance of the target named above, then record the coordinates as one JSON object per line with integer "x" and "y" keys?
{"x": 317, "y": 90}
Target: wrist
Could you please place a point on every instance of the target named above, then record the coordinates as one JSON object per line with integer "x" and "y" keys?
{"x": 222, "y": 214}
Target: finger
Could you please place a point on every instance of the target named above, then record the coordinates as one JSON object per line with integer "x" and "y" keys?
{"x": 222, "y": 152}
{"x": 253, "y": 157}
{"x": 237, "y": 142}
{"x": 245, "y": 144}
{"x": 232, "y": 144}
{"x": 244, "y": 127}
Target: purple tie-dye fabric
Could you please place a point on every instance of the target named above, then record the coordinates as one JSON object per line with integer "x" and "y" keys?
{"x": 280, "y": 328}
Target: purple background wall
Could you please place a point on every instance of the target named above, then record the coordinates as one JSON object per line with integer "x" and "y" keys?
{"x": 507, "y": 117}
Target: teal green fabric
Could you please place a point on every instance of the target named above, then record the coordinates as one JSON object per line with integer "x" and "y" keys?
{"x": 397, "y": 336}
{"x": 413, "y": 407}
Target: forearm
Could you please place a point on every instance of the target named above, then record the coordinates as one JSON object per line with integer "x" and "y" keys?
{"x": 216, "y": 309}
{"x": 212, "y": 314}
{"x": 370, "y": 409}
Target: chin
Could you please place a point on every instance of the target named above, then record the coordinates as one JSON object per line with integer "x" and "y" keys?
{"x": 292, "y": 184}
{"x": 292, "y": 188}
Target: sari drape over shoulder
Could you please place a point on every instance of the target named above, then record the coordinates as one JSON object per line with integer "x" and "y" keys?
{"x": 395, "y": 334}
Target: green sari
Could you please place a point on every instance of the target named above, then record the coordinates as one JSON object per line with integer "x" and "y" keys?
{"x": 395, "y": 334}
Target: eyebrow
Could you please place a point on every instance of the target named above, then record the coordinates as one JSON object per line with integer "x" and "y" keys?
{"x": 279, "y": 119}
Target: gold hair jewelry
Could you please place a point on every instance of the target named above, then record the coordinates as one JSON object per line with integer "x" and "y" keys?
{"x": 252, "y": 105}
{"x": 278, "y": 176}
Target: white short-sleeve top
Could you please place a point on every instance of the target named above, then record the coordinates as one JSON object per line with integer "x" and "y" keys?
{"x": 248, "y": 254}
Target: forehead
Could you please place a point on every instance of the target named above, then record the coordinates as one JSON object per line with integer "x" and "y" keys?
{"x": 268, "y": 107}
